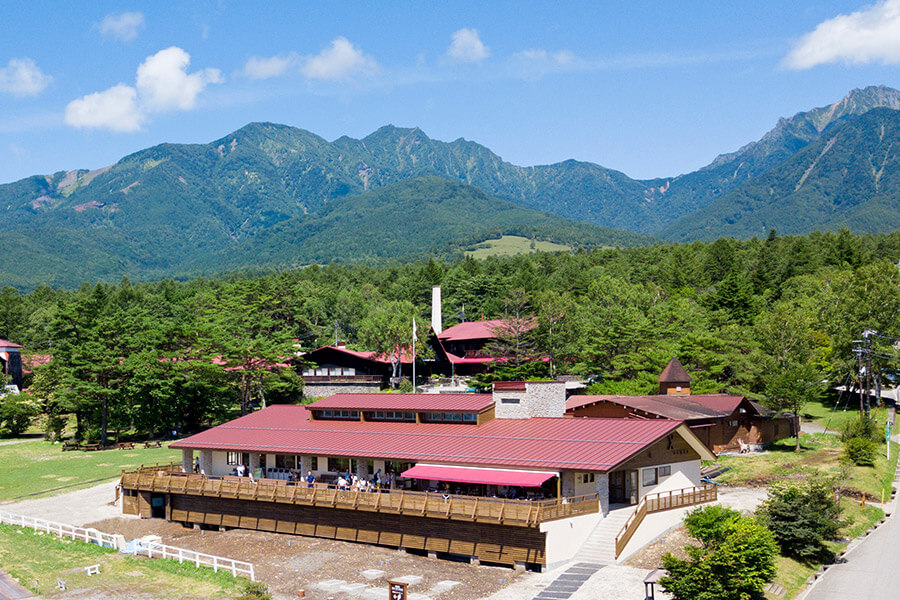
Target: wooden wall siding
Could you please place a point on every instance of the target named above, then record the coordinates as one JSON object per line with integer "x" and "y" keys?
{"x": 130, "y": 505}
{"x": 662, "y": 452}
{"x": 486, "y": 415}
{"x": 519, "y": 513}
{"x": 501, "y": 544}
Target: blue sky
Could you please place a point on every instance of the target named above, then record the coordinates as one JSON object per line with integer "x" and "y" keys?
{"x": 653, "y": 89}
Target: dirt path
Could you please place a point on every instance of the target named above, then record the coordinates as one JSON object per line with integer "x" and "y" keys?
{"x": 73, "y": 508}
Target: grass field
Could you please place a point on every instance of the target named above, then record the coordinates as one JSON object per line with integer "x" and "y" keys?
{"x": 834, "y": 418}
{"x": 820, "y": 455}
{"x": 511, "y": 245}
{"x": 37, "y": 560}
{"x": 37, "y": 468}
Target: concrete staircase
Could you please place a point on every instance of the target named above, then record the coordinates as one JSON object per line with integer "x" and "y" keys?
{"x": 600, "y": 547}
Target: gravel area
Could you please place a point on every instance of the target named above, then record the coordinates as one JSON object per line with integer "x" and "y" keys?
{"x": 289, "y": 563}
{"x": 73, "y": 508}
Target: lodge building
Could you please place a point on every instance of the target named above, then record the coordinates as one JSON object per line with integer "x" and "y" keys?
{"x": 503, "y": 478}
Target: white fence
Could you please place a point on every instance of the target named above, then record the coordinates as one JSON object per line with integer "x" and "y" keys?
{"x": 157, "y": 550}
{"x": 150, "y": 549}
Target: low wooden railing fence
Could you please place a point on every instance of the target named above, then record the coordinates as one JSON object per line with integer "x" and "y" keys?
{"x": 526, "y": 513}
{"x": 659, "y": 502}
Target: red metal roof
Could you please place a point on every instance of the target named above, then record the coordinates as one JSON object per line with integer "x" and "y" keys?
{"x": 405, "y": 354}
{"x": 684, "y": 408}
{"x": 8, "y": 344}
{"x": 471, "y": 330}
{"x": 477, "y": 475}
{"x": 537, "y": 443}
{"x": 411, "y": 402}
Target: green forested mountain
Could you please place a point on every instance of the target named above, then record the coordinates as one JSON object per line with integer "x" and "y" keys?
{"x": 850, "y": 177}
{"x": 273, "y": 195}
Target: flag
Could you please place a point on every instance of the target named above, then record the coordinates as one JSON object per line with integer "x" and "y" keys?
{"x": 415, "y": 337}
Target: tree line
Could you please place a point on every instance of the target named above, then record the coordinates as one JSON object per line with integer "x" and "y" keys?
{"x": 771, "y": 318}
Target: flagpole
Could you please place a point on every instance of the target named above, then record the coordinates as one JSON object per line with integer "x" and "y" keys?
{"x": 414, "y": 355}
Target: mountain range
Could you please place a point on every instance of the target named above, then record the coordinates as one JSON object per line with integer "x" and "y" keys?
{"x": 271, "y": 195}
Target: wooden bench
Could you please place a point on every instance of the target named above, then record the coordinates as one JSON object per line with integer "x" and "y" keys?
{"x": 91, "y": 447}
{"x": 92, "y": 570}
{"x": 125, "y": 446}
{"x": 71, "y": 446}
{"x": 152, "y": 444}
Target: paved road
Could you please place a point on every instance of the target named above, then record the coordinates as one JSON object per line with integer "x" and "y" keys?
{"x": 872, "y": 570}
{"x": 10, "y": 590}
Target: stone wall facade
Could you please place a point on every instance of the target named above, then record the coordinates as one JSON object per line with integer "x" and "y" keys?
{"x": 323, "y": 390}
{"x": 530, "y": 399}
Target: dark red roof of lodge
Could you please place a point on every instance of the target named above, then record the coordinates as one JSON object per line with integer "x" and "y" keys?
{"x": 411, "y": 402}
{"x": 471, "y": 330}
{"x": 405, "y": 354}
{"x": 682, "y": 408}
{"x": 8, "y": 344}
{"x": 540, "y": 442}
{"x": 674, "y": 373}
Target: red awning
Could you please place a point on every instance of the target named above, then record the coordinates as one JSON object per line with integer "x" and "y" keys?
{"x": 476, "y": 475}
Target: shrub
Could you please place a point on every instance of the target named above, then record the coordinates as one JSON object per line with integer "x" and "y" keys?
{"x": 802, "y": 515}
{"x": 255, "y": 590}
{"x": 736, "y": 560}
{"x": 16, "y": 412}
{"x": 861, "y": 451}
{"x": 864, "y": 427}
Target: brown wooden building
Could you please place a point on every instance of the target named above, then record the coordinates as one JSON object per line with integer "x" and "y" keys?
{"x": 721, "y": 421}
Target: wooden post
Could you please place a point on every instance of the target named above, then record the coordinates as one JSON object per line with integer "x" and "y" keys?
{"x": 559, "y": 486}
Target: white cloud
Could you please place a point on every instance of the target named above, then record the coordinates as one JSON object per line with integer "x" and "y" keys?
{"x": 869, "y": 35}
{"x": 466, "y": 46}
{"x": 122, "y": 26}
{"x": 115, "y": 109}
{"x": 340, "y": 60}
{"x": 267, "y": 68}
{"x": 22, "y": 77}
{"x": 535, "y": 62}
{"x": 164, "y": 84}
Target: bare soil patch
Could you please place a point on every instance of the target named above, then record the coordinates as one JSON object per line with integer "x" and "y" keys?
{"x": 289, "y": 563}
{"x": 650, "y": 557}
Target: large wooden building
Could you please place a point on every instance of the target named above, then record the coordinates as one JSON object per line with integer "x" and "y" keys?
{"x": 723, "y": 422}
{"x": 503, "y": 477}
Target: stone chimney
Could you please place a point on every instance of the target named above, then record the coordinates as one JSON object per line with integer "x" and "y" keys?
{"x": 526, "y": 399}
{"x": 674, "y": 380}
{"x": 436, "y": 320}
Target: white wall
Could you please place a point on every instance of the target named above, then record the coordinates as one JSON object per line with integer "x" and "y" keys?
{"x": 565, "y": 537}
{"x": 684, "y": 475}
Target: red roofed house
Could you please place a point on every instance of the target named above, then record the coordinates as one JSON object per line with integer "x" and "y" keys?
{"x": 503, "y": 477}
{"x": 723, "y": 422}
{"x": 11, "y": 362}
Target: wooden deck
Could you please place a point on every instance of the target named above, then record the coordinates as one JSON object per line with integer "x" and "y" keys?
{"x": 168, "y": 479}
{"x": 490, "y": 529}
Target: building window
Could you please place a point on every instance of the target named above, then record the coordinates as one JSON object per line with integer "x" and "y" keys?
{"x": 733, "y": 423}
{"x": 285, "y": 461}
{"x": 338, "y": 414}
{"x": 587, "y": 478}
{"x": 650, "y": 477}
{"x": 449, "y": 417}
{"x": 390, "y": 415}
{"x": 339, "y": 465}
{"x": 665, "y": 471}
{"x": 470, "y": 417}
{"x": 509, "y": 400}
{"x": 232, "y": 458}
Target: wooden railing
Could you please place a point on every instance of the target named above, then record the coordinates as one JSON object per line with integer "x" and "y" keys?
{"x": 659, "y": 502}
{"x": 524, "y": 513}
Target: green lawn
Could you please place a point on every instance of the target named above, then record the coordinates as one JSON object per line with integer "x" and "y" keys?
{"x": 826, "y": 415}
{"x": 820, "y": 454}
{"x": 38, "y": 468}
{"x": 511, "y": 245}
{"x": 37, "y": 560}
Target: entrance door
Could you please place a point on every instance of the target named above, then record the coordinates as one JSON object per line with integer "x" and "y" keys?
{"x": 617, "y": 493}
{"x": 158, "y": 506}
{"x": 632, "y": 487}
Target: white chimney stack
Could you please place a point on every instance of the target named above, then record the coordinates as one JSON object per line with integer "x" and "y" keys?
{"x": 436, "y": 322}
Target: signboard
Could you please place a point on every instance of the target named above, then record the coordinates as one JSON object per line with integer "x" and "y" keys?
{"x": 397, "y": 590}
